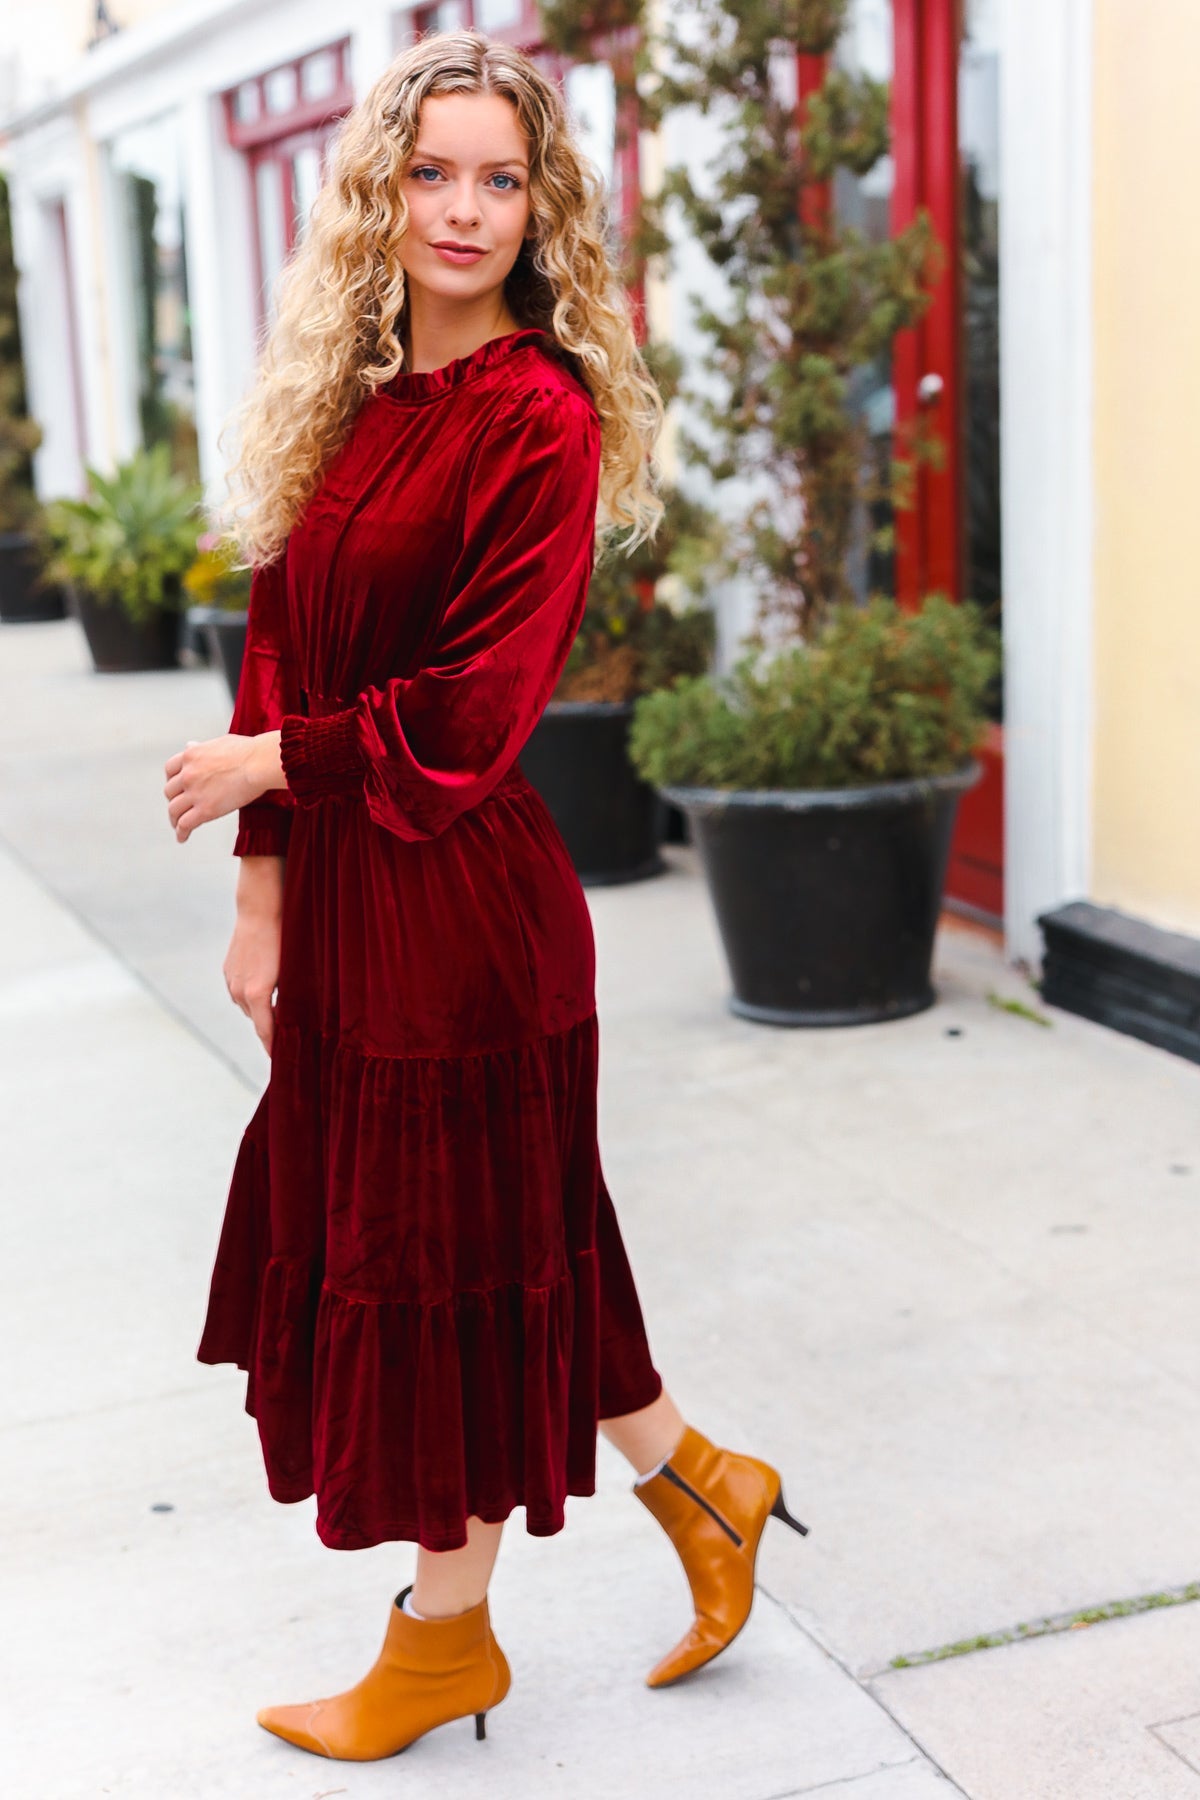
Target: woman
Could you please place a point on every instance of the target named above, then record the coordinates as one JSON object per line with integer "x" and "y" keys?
{"x": 420, "y": 1268}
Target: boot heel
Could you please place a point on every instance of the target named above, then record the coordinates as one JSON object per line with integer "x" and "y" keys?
{"x": 780, "y": 1511}
{"x": 479, "y": 1726}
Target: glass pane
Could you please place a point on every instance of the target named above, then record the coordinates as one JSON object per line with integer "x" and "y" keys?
{"x": 272, "y": 243}
{"x": 280, "y": 89}
{"x": 306, "y": 179}
{"x": 146, "y": 169}
{"x": 864, "y": 204}
{"x": 979, "y": 143}
{"x": 319, "y": 74}
{"x": 592, "y": 100}
{"x": 246, "y": 103}
{"x": 495, "y": 15}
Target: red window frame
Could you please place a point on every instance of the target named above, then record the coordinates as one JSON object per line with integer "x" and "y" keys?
{"x": 271, "y": 140}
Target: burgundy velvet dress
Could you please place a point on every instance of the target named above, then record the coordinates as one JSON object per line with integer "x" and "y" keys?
{"x": 420, "y": 1267}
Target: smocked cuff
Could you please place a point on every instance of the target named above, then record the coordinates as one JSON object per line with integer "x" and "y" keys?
{"x": 263, "y": 830}
{"x": 321, "y": 757}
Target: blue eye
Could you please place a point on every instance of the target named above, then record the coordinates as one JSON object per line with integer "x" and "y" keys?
{"x": 430, "y": 169}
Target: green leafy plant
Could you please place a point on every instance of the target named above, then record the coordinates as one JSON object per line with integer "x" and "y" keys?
{"x": 810, "y": 302}
{"x": 130, "y": 540}
{"x": 881, "y": 695}
{"x": 632, "y": 640}
{"x": 20, "y": 435}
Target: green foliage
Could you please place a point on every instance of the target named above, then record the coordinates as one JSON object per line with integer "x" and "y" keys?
{"x": 810, "y": 302}
{"x": 20, "y": 435}
{"x": 881, "y": 694}
{"x": 630, "y": 641}
{"x": 130, "y": 541}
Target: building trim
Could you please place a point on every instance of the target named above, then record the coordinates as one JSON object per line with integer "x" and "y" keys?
{"x": 1047, "y": 471}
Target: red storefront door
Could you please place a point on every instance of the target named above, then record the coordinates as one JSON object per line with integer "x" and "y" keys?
{"x": 944, "y": 145}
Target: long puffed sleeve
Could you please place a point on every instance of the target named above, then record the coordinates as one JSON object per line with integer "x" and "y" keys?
{"x": 267, "y": 689}
{"x": 421, "y": 750}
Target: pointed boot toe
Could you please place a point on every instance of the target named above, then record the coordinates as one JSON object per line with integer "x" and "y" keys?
{"x": 699, "y": 1644}
{"x": 713, "y": 1504}
{"x": 296, "y": 1725}
{"x": 429, "y": 1672}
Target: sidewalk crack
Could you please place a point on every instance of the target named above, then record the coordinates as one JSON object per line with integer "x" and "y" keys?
{"x": 1050, "y": 1625}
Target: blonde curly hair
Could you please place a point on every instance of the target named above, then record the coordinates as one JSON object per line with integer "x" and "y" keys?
{"x": 341, "y": 303}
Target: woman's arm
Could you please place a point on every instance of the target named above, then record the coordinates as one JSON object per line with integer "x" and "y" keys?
{"x": 418, "y": 751}
{"x": 240, "y": 770}
{"x": 251, "y": 966}
{"x": 268, "y": 687}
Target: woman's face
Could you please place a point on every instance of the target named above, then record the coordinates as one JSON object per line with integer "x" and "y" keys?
{"x": 467, "y": 183}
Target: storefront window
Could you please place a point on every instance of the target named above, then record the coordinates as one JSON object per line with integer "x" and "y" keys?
{"x": 145, "y": 164}
{"x": 979, "y": 138}
{"x": 282, "y": 121}
{"x": 864, "y": 203}
{"x": 591, "y": 97}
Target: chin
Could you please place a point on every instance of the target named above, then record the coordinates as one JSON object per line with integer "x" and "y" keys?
{"x": 460, "y": 284}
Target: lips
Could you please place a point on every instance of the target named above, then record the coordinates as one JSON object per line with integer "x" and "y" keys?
{"x": 458, "y": 253}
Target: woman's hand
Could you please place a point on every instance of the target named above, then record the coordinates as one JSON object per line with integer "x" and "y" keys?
{"x": 205, "y": 780}
{"x": 251, "y": 966}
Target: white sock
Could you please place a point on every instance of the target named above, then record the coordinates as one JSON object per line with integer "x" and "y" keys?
{"x": 409, "y": 1608}
{"x": 649, "y": 1472}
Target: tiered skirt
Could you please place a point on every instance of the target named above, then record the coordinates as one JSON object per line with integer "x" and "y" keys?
{"x": 420, "y": 1268}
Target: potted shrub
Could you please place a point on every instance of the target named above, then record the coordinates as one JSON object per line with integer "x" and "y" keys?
{"x": 638, "y": 633}
{"x": 820, "y": 779}
{"x": 821, "y": 784}
{"x": 219, "y": 595}
{"x": 122, "y": 553}
{"x": 24, "y": 594}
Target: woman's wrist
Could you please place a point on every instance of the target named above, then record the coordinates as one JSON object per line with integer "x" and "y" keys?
{"x": 263, "y": 765}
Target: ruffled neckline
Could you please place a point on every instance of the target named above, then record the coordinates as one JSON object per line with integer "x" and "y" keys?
{"x": 425, "y": 384}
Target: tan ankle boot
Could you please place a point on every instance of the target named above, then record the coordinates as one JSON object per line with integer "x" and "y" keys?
{"x": 428, "y": 1672}
{"x": 713, "y": 1506}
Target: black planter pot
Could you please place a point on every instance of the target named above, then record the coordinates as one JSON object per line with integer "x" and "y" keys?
{"x": 827, "y": 902}
{"x": 225, "y": 633}
{"x": 120, "y": 644}
{"x": 194, "y": 649}
{"x": 611, "y": 821}
{"x": 22, "y": 598}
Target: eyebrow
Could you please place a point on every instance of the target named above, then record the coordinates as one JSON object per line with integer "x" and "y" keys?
{"x": 505, "y": 162}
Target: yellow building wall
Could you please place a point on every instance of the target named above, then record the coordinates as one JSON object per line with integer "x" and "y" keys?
{"x": 1146, "y": 771}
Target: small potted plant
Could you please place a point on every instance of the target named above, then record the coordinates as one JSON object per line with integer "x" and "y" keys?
{"x": 638, "y": 633}
{"x": 219, "y": 596}
{"x": 821, "y": 778}
{"x": 24, "y": 593}
{"x": 121, "y": 553}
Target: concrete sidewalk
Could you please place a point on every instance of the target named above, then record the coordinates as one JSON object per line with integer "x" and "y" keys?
{"x": 941, "y": 1272}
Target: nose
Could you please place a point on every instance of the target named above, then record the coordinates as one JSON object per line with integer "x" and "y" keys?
{"x": 461, "y": 205}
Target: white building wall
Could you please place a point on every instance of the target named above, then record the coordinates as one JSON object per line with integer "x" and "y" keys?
{"x": 178, "y": 61}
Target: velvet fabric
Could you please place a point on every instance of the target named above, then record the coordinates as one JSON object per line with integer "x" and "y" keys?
{"x": 420, "y": 1267}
